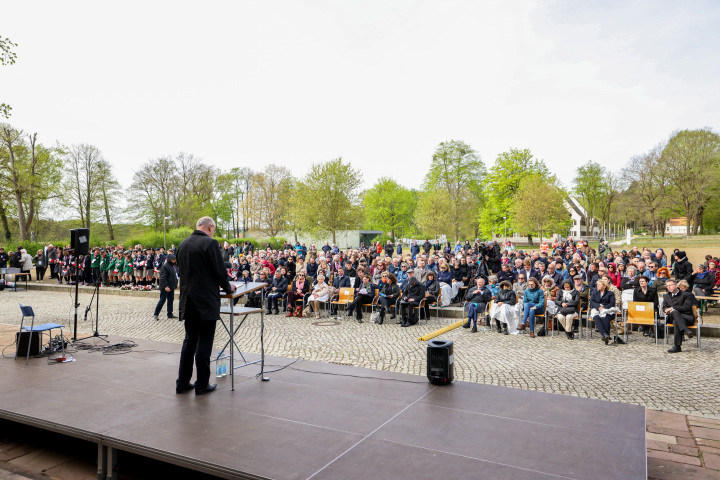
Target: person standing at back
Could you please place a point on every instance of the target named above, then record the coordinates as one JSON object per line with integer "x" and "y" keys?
{"x": 201, "y": 273}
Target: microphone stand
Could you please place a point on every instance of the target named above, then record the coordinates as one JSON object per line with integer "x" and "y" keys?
{"x": 97, "y": 314}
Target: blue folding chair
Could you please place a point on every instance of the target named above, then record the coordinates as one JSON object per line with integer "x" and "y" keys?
{"x": 28, "y": 312}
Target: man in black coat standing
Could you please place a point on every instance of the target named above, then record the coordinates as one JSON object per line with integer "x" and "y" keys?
{"x": 201, "y": 273}
{"x": 168, "y": 284}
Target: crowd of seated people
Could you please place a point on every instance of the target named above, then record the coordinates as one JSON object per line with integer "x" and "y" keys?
{"x": 514, "y": 287}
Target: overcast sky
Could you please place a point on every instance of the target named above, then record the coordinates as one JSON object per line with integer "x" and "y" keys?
{"x": 379, "y": 83}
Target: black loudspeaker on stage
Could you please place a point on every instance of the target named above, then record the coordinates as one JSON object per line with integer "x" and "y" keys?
{"x": 440, "y": 361}
{"x": 80, "y": 241}
{"x": 23, "y": 342}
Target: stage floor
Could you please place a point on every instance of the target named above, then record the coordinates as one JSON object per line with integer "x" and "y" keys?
{"x": 323, "y": 421}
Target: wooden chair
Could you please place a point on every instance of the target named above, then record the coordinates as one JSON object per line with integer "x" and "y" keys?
{"x": 696, "y": 327}
{"x": 344, "y": 297}
{"x": 640, "y": 313}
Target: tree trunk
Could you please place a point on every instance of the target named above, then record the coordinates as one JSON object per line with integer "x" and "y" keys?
{"x": 5, "y": 224}
{"x": 687, "y": 225}
{"x": 107, "y": 213}
{"x": 529, "y": 239}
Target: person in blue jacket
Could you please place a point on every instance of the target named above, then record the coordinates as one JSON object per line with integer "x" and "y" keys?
{"x": 533, "y": 304}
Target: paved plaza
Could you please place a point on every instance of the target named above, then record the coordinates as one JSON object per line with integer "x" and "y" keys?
{"x": 638, "y": 373}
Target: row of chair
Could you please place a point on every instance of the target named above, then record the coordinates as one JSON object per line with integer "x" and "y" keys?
{"x": 637, "y": 313}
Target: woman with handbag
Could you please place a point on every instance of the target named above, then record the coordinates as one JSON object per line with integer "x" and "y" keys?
{"x": 568, "y": 302}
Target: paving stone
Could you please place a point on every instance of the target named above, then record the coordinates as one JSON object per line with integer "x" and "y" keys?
{"x": 693, "y": 419}
{"x": 711, "y": 460}
{"x": 655, "y": 445}
{"x": 708, "y": 433}
{"x": 688, "y": 442}
{"x": 668, "y": 431}
{"x": 683, "y": 450}
{"x": 658, "y": 437}
{"x": 674, "y": 457}
{"x": 665, "y": 420}
{"x": 712, "y": 450}
{"x": 708, "y": 443}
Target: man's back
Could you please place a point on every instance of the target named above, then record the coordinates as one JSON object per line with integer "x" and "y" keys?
{"x": 201, "y": 272}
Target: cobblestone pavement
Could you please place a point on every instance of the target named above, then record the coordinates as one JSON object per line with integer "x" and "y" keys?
{"x": 637, "y": 373}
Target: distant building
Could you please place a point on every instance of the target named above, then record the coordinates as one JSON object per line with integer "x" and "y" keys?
{"x": 677, "y": 226}
{"x": 579, "y": 229}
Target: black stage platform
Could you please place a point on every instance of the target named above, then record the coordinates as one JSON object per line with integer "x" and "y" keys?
{"x": 322, "y": 421}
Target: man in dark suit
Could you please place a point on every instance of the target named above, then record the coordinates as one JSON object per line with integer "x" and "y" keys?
{"x": 678, "y": 310}
{"x": 168, "y": 284}
{"x": 201, "y": 273}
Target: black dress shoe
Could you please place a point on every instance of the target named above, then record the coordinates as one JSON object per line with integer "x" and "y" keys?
{"x": 186, "y": 388}
{"x": 675, "y": 349}
{"x": 359, "y": 320}
{"x": 690, "y": 333}
{"x": 392, "y": 317}
{"x": 474, "y": 329}
{"x": 171, "y": 316}
{"x": 405, "y": 324}
{"x": 276, "y": 312}
{"x": 210, "y": 388}
{"x": 505, "y": 331}
{"x": 606, "y": 339}
{"x": 466, "y": 325}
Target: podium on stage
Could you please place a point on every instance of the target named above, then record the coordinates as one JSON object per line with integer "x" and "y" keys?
{"x": 242, "y": 289}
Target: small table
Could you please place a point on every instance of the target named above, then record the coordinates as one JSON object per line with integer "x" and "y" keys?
{"x": 15, "y": 272}
{"x": 242, "y": 288}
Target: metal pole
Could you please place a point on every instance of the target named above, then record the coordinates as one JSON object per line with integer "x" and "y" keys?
{"x": 165, "y": 233}
{"x": 505, "y": 218}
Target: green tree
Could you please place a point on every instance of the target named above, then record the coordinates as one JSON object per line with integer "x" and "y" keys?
{"x": 389, "y": 206}
{"x": 539, "y": 207}
{"x": 590, "y": 189}
{"x": 332, "y": 198}
{"x": 82, "y": 181}
{"x": 502, "y": 183}
{"x": 109, "y": 189}
{"x": 27, "y": 173}
{"x": 691, "y": 160}
{"x": 455, "y": 178}
{"x": 7, "y": 57}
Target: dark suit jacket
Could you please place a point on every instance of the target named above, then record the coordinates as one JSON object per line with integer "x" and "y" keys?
{"x": 343, "y": 282}
{"x": 202, "y": 271}
{"x": 168, "y": 276}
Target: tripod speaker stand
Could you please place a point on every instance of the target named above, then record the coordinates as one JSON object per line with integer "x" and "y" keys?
{"x": 96, "y": 297}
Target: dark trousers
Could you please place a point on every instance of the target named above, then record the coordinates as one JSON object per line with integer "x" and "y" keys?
{"x": 96, "y": 275}
{"x": 357, "y": 304}
{"x": 199, "y": 336}
{"x": 27, "y": 271}
{"x": 680, "y": 323}
{"x": 428, "y": 301}
{"x": 272, "y": 300}
{"x": 603, "y": 324}
{"x": 170, "y": 297}
{"x": 40, "y": 272}
{"x": 406, "y": 308}
{"x": 387, "y": 303}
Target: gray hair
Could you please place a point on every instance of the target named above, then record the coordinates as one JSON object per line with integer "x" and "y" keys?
{"x": 205, "y": 222}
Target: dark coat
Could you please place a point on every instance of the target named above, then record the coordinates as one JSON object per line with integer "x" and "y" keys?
{"x": 606, "y": 299}
{"x": 682, "y": 302}
{"x": 389, "y": 250}
{"x": 682, "y": 269}
{"x": 572, "y": 306}
{"x": 651, "y": 296}
{"x": 202, "y": 271}
{"x": 626, "y": 283}
{"x": 476, "y": 295}
{"x": 506, "y": 296}
{"x": 706, "y": 284}
{"x": 168, "y": 275}
{"x": 280, "y": 284}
